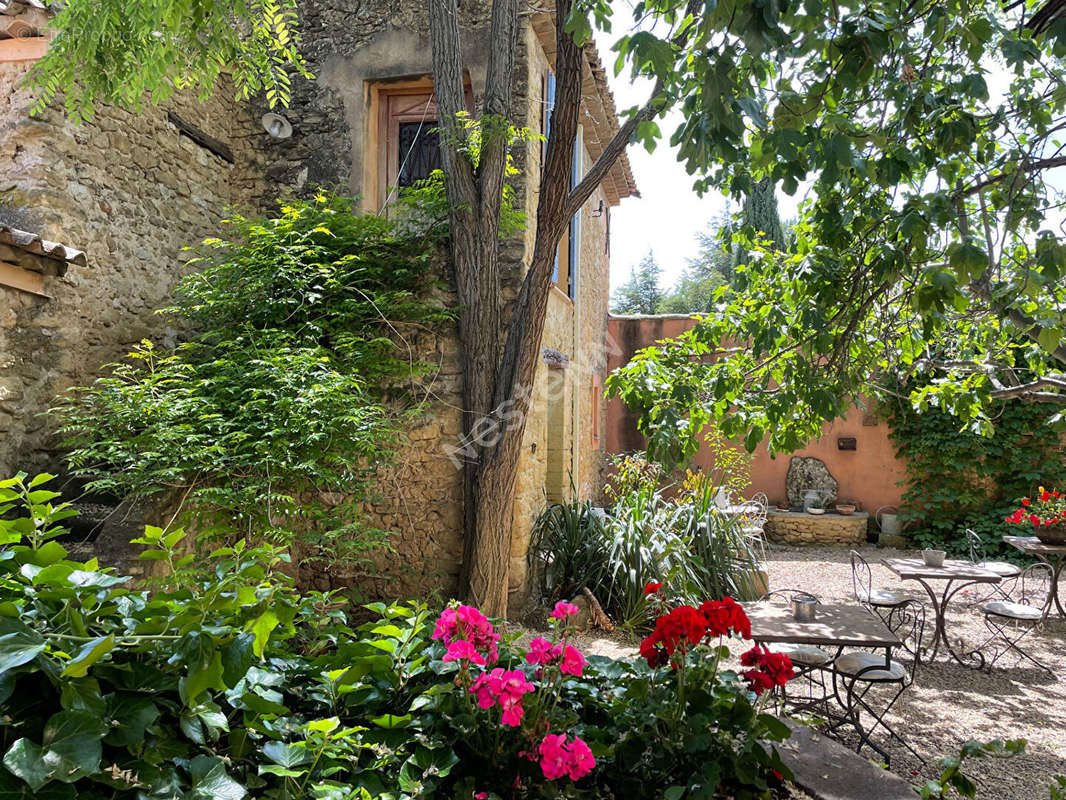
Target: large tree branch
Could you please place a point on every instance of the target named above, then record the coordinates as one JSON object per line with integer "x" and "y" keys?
{"x": 610, "y": 155}
{"x": 492, "y": 167}
{"x": 1029, "y": 166}
{"x": 1032, "y": 391}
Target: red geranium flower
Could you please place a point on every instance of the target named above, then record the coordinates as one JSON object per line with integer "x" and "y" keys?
{"x": 771, "y": 669}
{"x": 652, "y": 588}
{"x": 725, "y": 616}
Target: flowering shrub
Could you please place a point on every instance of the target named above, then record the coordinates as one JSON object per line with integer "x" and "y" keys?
{"x": 691, "y": 730}
{"x": 1048, "y": 508}
{"x": 235, "y": 685}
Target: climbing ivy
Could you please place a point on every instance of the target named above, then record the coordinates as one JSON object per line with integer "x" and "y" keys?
{"x": 958, "y": 479}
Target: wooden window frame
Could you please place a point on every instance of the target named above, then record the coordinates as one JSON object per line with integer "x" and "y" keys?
{"x": 381, "y": 167}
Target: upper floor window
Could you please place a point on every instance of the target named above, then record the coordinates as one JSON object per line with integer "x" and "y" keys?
{"x": 408, "y": 142}
{"x": 409, "y": 146}
{"x": 564, "y": 272}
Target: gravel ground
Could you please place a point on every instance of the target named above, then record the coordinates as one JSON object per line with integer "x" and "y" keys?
{"x": 948, "y": 704}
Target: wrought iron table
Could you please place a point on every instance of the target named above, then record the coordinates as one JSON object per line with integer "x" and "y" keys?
{"x": 834, "y": 626}
{"x": 1032, "y": 546}
{"x": 915, "y": 569}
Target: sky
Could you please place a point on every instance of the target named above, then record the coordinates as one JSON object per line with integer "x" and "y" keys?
{"x": 668, "y": 214}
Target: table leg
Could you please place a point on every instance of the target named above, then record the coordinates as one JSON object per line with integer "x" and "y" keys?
{"x": 940, "y": 634}
{"x": 1056, "y": 574}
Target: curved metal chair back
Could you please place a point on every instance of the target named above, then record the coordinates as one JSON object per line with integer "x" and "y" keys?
{"x": 912, "y": 628}
{"x": 1033, "y": 586}
{"x": 862, "y": 579}
{"x": 976, "y": 546}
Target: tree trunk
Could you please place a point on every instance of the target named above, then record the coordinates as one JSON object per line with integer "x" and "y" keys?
{"x": 497, "y": 389}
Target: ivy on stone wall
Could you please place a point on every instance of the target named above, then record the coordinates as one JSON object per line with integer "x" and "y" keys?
{"x": 272, "y": 420}
{"x": 958, "y": 479}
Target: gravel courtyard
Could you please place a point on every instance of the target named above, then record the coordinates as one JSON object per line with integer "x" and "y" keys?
{"x": 950, "y": 704}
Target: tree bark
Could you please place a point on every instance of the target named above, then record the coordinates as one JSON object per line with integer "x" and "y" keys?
{"x": 498, "y": 386}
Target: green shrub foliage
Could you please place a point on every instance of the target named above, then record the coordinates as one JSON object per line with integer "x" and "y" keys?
{"x": 959, "y": 479}
{"x": 291, "y": 384}
{"x": 228, "y": 683}
{"x": 670, "y": 535}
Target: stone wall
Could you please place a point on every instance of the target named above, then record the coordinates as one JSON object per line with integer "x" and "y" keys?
{"x": 797, "y": 527}
{"x": 130, "y": 191}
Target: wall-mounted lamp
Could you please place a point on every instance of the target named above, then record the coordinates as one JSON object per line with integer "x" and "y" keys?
{"x": 276, "y": 125}
{"x": 599, "y": 211}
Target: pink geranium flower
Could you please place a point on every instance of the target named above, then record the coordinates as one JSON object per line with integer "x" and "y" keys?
{"x": 543, "y": 652}
{"x": 563, "y": 610}
{"x": 469, "y": 624}
{"x": 461, "y": 649}
{"x": 573, "y": 662}
{"x": 557, "y": 758}
{"x": 504, "y": 688}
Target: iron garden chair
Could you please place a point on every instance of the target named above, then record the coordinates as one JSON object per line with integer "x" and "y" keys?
{"x": 857, "y": 675}
{"x": 881, "y": 601}
{"x": 1009, "y": 621}
{"x": 753, "y": 523}
{"x": 978, "y": 557}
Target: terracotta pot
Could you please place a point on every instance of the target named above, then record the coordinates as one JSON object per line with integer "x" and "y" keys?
{"x": 1051, "y": 534}
{"x": 847, "y": 509}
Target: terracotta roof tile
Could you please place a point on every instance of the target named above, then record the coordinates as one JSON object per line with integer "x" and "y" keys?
{"x": 32, "y": 243}
{"x": 599, "y": 115}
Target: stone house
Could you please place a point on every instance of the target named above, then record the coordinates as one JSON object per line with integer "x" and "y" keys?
{"x": 130, "y": 190}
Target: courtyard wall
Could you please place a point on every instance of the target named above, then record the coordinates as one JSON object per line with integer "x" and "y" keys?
{"x": 871, "y": 474}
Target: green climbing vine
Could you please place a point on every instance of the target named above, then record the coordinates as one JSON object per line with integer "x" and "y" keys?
{"x": 958, "y": 479}
{"x": 295, "y": 383}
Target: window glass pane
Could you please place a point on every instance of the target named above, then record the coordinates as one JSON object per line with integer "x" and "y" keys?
{"x": 575, "y": 178}
{"x": 419, "y": 154}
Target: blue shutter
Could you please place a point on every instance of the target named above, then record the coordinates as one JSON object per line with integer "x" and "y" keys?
{"x": 549, "y": 106}
{"x": 575, "y": 178}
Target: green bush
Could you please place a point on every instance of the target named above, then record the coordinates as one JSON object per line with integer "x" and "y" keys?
{"x": 290, "y": 385}
{"x": 958, "y": 479}
{"x": 228, "y": 683}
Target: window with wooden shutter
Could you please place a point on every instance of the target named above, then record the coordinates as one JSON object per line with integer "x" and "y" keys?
{"x": 403, "y": 146}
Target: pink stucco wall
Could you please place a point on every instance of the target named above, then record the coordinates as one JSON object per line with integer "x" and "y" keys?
{"x": 869, "y": 475}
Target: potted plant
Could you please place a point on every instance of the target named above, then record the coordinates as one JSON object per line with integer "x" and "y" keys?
{"x": 816, "y": 505}
{"x": 1046, "y": 513}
